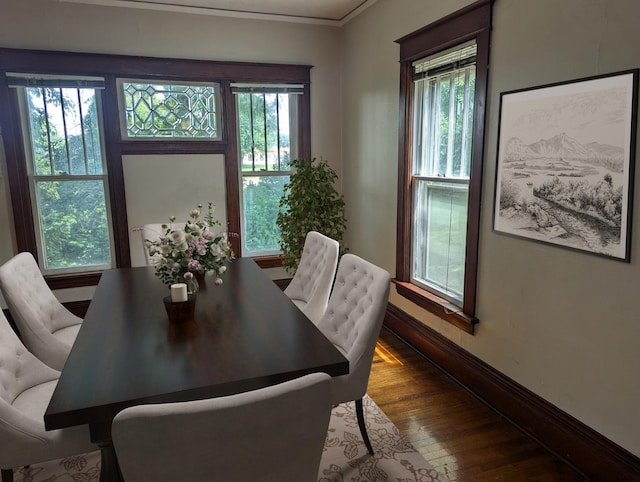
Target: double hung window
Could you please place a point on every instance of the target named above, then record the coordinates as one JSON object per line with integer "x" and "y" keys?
{"x": 443, "y": 85}
{"x": 444, "y": 88}
{"x": 267, "y": 140}
{"x": 66, "y": 170}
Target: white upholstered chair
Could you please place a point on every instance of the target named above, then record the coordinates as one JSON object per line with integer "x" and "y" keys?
{"x": 46, "y": 327}
{"x": 152, "y": 232}
{"x": 26, "y": 386}
{"x": 311, "y": 284}
{"x": 271, "y": 434}
{"x": 352, "y": 323}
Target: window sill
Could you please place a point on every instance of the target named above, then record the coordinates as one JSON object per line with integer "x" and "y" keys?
{"x": 58, "y": 282}
{"x": 268, "y": 261}
{"x": 436, "y": 305}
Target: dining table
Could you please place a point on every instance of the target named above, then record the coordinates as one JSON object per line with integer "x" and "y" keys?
{"x": 245, "y": 334}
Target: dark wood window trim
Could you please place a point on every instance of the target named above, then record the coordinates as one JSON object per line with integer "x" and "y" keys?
{"x": 470, "y": 23}
{"x": 114, "y": 66}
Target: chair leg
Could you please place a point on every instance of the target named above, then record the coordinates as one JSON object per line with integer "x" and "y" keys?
{"x": 361, "y": 424}
{"x": 7, "y": 475}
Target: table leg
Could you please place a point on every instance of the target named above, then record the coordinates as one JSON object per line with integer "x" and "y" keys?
{"x": 109, "y": 467}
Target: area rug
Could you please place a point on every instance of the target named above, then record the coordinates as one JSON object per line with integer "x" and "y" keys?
{"x": 345, "y": 457}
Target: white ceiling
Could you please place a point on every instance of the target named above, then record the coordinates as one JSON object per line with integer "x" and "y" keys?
{"x": 326, "y": 12}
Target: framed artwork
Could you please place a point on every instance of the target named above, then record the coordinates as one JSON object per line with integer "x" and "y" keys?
{"x": 565, "y": 163}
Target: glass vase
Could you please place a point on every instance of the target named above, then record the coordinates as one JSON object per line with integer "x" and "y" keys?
{"x": 192, "y": 286}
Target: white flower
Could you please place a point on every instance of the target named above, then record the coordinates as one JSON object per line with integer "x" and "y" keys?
{"x": 216, "y": 250}
{"x": 178, "y": 236}
{"x": 195, "y": 230}
{"x": 222, "y": 269}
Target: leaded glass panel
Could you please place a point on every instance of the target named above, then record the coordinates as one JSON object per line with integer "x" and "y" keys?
{"x": 168, "y": 110}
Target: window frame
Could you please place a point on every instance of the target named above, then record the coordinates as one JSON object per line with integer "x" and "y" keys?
{"x": 34, "y": 178}
{"x": 467, "y": 24}
{"x": 112, "y": 67}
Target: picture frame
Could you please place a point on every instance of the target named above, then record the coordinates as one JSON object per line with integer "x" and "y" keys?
{"x": 565, "y": 163}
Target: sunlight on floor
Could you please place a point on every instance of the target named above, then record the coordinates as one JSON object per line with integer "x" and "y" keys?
{"x": 387, "y": 356}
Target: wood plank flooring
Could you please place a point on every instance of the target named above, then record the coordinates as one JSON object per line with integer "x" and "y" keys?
{"x": 457, "y": 433}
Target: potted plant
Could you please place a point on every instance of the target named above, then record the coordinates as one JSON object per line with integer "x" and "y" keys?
{"x": 309, "y": 202}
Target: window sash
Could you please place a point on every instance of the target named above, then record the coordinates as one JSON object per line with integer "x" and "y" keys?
{"x": 47, "y": 263}
{"x": 439, "y": 150}
{"x": 259, "y": 134}
{"x": 439, "y": 237}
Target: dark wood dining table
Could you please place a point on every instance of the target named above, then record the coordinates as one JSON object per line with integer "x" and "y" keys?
{"x": 246, "y": 334}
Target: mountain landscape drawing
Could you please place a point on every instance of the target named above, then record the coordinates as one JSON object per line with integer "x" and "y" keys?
{"x": 564, "y": 162}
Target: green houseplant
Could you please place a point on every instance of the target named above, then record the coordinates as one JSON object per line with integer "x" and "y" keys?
{"x": 309, "y": 202}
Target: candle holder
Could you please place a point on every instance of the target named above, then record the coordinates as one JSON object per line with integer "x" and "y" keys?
{"x": 179, "y": 311}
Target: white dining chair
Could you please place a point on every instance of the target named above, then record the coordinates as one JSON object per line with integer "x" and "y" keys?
{"x": 352, "y": 322}
{"x": 26, "y": 386}
{"x": 46, "y": 327}
{"x": 152, "y": 232}
{"x": 311, "y": 284}
{"x": 272, "y": 434}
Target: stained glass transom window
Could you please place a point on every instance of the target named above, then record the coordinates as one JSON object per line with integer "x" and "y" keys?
{"x": 169, "y": 110}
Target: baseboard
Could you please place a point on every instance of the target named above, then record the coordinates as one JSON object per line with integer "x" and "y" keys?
{"x": 592, "y": 454}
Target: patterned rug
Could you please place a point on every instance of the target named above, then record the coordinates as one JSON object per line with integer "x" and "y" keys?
{"x": 345, "y": 458}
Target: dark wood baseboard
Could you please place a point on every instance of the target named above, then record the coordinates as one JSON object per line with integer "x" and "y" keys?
{"x": 589, "y": 452}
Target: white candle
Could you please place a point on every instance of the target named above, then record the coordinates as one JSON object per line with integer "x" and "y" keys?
{"x": 178, "y": 292}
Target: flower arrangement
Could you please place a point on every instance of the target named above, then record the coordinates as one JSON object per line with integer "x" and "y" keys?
{"x": 180, "y": 253}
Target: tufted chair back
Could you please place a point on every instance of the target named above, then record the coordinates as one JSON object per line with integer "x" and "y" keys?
{"x": 352, "y": 322}
{"x": 274, "y": 434}
{"x": 47, "y": 328}
{"x": 26, "y": 386}
{"x": 19, "y": 369}
{"x": 311, "y": 285}
{"x": 152, "y": 232}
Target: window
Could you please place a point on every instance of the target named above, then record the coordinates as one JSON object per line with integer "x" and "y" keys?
{"x": 443, "y": 89}
{"x": 267, "y": 125}
{"x": 66, "y": 171}
{"x": 76, "y": 154}
{"x": 443, "y": 92}
{"x": 168, "y": 110}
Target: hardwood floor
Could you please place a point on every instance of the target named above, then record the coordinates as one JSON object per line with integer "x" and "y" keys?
{"x": 457, "y": 433}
